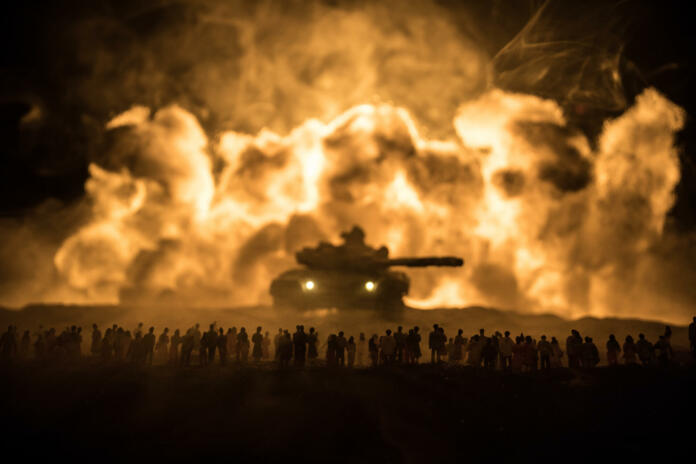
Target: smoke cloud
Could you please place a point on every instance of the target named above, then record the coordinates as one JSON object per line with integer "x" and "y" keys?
{"x": 289, "y": 127}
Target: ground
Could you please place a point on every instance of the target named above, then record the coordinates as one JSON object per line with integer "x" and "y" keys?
{"x": 403, "y": 414}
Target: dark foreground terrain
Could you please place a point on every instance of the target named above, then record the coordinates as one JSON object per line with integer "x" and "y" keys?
{"x": 422, "y": 414}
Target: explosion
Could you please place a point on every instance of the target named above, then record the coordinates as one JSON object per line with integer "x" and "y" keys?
{"x": 545, "y": 222}
{"x": 395, "y": 121}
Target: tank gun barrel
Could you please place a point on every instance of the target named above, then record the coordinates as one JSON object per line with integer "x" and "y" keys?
{"x": 449, "y": 261}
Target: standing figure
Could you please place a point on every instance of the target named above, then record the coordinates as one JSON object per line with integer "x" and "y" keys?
{"x": 162, "y": 347}
{"x": 374, "y": 350}
{"x": 96, "y": 347}
{"x": 174, "y": 348}
{"x": 505, "y": 346}
{"x": 212, "y": 342}
{"x": 629, "y": 350}
{"x": 417, "y": 353}
{"x": 203, "y": 350}
{"x": 285, "y": 349}
{"x": 187, "y": 345}
{"x": 545, "y": 353}
{"x": 400, "y": 339}
{"x": 351, "y": 348}
{"x": 299, "y": 341}
{"x": 257, "y": 340}
{"x": 574, "y": 349}
{"x": 613, "y": 350}
{"x": 433, "y": 343}
{"x": 148, "y": 346}
{"x": 232, "y": 343}
{"x": 645, "y": 350}
{"x": 590, "y": 354}
{"x": 277, "y": 341}
{"x": 242, "y": 345}
{"x": 663, "y": 351}
{"x": 556, "y": 353}
{"x": 222, "y": 346}
{"x": 341, "y": 345}
{"x": 331, "y": 350}
{"x": 312, "y": 340}
{"x": 459, "y": 344}
{"x": 266, "y": 346}
{"x": 387, "y": 345}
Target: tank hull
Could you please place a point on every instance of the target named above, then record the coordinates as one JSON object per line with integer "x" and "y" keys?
{"x": 306, "y": 289}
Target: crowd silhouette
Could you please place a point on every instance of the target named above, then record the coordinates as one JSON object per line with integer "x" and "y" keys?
{"x": 522, "y": 353}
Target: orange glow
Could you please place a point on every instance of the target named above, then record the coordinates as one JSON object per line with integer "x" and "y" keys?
{"x": 214, "y": 220}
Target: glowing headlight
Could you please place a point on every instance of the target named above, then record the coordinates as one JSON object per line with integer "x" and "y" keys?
{"x": 369, "y": 285}
{"x": 309, "y": 285}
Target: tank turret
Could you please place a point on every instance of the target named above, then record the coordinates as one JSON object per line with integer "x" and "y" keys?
{"x": 350, "y": 275}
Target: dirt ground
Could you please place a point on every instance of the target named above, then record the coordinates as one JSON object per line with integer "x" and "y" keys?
{"x": 414, "y": 414}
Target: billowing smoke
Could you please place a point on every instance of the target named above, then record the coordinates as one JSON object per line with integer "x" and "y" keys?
{"x": 396, "y": 121}
{"x": 545, "y": 221}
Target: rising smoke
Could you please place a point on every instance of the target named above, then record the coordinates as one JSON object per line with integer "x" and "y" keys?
{"x": 395, "y": 120}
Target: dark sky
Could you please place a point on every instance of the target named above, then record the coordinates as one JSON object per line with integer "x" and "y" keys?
{"x": 80, "y": 63}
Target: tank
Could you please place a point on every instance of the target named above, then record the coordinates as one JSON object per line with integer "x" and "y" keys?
{"x": 352, "y": 275}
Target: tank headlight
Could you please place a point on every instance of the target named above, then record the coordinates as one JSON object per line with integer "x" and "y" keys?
{"x": 370, "y": 286}
{"x": 309, "y": 285}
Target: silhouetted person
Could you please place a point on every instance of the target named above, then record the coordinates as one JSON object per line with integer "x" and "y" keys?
{"x": 148, "y": 342}
{"x": 203, "y": 350}
{"x": 663, "y": 351}
{"x": 188, "y": 343}
{"x": 242, "y": 345}
{"x": 174, "y": 348}
{"x": 645, "y": 350}
{"x": 266, "y": 346}
{"x": 257, "y": 340}
{"x": 24, "y": 345}
{"x": 433, "y": 341}
{"x": 312, "y": 341}
{"x": 474, "y": 351}
{"x": 162, "y": 347}
{"x": 545, "y": 352}
{"x": 299, "y": 341}
{"x": 489, "y": 353}
{"x": 629, "y": 350}
{"x": 96, "y": 347}
{"x": 285, "y": 349}
{"x": 459, "y": 344}
{"x": 222, "y": 346}
{"x": 196, "y": 334}
{"x": 351, "y": 348}
{"x": 387, "y": 345}
{"x": 613, "y": 350}
{"x": 590, "y": 353}
{"x": 574, "y": 349}
{"x": 341, "y": 345}
{"x": 400, "y": 338}
{"x": 277, "y": 342}
{"x": 232, "y": 346}
{"x": 531, "y": 354}
{"x": 361, "y": 349}
{"x": 137, "y": 351}
{"x": 505, "y": 345}
{"x": 373, "y": 346}
{"x": 212, "y": 343}
{"x": 556, "y": 353}
{"x": 416, "y": 349}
